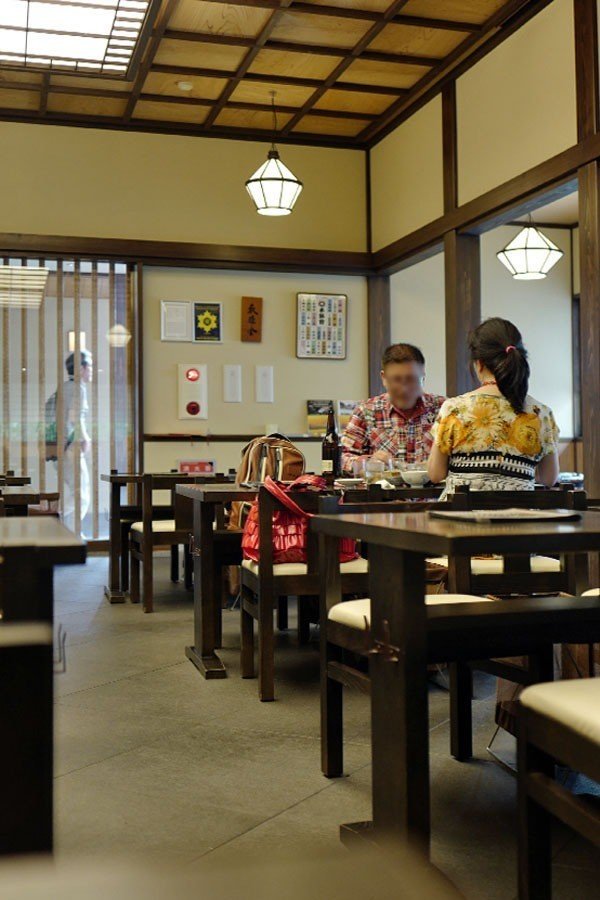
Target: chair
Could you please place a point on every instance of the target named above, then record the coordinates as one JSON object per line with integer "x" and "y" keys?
{"x": 460, "y": 628}
{"x": 264, "y": 583}
{"x": 48, "y": 505}
{"x": 156, "y": 531}
{"x": 557, "y": 722}
{"x": 522, "y": 575}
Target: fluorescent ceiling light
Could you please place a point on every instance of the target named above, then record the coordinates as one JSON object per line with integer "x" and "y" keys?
{"x": 91, "y": 36}
{"x": 21, "y": 286}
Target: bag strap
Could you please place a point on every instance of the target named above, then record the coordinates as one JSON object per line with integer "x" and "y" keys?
{"x": 278, "y": 492}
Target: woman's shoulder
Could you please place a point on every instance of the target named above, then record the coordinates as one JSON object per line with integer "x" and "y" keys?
{"x": 536, "y": 407}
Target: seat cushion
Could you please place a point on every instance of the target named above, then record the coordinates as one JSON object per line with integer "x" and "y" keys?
{"x": 496, "y": 566}
{"x": 161, "y": 525}
{"x": 357, "y": 613}
{"x": 574, "y": 703}
{"x": 593, "y": 592}
{"x": 358, "y": 566}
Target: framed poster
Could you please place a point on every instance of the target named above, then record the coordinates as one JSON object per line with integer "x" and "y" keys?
{"x": 321, "y": 326}
{"x": 208, "y": 322}
{"x": 175, "y": 320}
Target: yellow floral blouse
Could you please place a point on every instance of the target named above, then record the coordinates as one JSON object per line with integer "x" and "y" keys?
{"x": 490, "y": 447}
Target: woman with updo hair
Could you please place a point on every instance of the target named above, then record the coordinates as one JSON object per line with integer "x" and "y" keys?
{"x": 496, "y": 437}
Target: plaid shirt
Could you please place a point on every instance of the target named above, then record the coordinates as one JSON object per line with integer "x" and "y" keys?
{"x": 377, "y": 425}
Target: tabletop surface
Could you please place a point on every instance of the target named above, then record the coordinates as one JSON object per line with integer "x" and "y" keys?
{"x": 121, "y": 477}
{"x": 13, "y": 493}
{"x": 43, "y": 533}
{"x": 420, "y": 532}
{"x": 216, "y": 493}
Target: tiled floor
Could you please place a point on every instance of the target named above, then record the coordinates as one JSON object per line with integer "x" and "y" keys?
{"x": 156, "y": 763}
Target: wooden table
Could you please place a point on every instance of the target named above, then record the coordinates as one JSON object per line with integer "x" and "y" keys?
{"x": 207, "y": 596}
{"x": 18, "y": 498}
{"x": 29, "y": 551}
{"x": 398, "y": 545}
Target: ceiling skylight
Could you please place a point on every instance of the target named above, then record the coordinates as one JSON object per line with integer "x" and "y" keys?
{"x": 84, "y": 36}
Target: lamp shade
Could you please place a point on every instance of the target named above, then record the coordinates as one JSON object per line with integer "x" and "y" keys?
{"x": 118, "y": 336}
{"x": 273, "y": 188}
{"x": 530, "y": 254}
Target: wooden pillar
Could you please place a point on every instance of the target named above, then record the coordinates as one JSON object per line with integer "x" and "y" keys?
{"x": 461, "y": 263}
{"x": 378, "y": 295}
{"x": 463, "y": 306}
{"x": 588, "y": 117}
{"x": 586, "y": 70}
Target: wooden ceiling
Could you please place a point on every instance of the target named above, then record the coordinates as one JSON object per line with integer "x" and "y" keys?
{"x": 344, "y": 71}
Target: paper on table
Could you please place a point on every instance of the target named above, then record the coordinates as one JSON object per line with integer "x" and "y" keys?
{"x": 513, "y": 514}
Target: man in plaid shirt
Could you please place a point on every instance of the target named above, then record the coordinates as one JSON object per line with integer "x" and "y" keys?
{"x": 397, "y": 422}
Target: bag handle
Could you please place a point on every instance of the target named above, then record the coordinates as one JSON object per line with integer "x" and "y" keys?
{"x": 278, "y": 492}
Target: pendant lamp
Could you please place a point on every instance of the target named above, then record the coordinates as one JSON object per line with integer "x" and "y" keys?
{"x": 273, "y": 188}
{"x": 530, "y": 255}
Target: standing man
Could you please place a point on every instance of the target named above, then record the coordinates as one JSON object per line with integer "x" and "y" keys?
{"x": 397, "y": 422}
{"x": 74, "y": 435}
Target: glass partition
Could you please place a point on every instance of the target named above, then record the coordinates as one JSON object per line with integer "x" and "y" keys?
{"x": 66, "y": 376}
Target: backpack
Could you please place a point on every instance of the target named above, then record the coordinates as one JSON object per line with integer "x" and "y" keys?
{"x": 51, "y": 430}
{"x": 274, "y": 456}
{"x": 290, "y": 526}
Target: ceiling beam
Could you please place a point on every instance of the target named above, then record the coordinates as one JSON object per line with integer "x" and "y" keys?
{"x": 151, "y": 51}
{"x": 258, "y": 107}
{"x": 153, "y": 126}
{"x": 198, "y": 37}
{"x": 259, "y": 78}
{"x": 341, "y": 67}
{"x": 367, "y": 15}
{"x": 258, "y": 43}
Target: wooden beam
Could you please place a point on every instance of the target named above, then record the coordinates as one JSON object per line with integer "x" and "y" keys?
{"x": 252, "y": 44}
{"x": 348, "y": 12}
{"x": 257, "y": 44}
{"x": 195, "y": 255}
{"x": 586, "y": 66}
{"x": 261, "y": 107}
{"x": 359, "y": 48}
{"x": 379, "y": 319}
{"x": 551, "y": 179}
{"x": 153, "y": 126}
{"x": 260, "y": 78}
{"x": 152, "y": 49}
{"x": 586, "y": 69}
{"x": 449, "y": 146}
{"x": 44, "y": 93}
{"x": 463, "y": 306}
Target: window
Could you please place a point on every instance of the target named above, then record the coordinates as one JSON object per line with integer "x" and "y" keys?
{"x": 83, "y": 36}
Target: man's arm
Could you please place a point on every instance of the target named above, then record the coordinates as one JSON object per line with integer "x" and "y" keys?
{"x": 355, "y": 442}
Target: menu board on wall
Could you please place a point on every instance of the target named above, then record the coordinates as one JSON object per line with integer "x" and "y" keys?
{"x": 321, "y": 326}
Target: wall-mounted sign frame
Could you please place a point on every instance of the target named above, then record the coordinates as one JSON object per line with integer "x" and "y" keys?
{"x": 321, "y": 326}
{"x": 208, "y": 323}
{"x": 252, "y": 312}
{"x": 175, "y": 320}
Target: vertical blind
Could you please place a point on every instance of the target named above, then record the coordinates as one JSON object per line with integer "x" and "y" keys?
{"x": 87, "y": 305}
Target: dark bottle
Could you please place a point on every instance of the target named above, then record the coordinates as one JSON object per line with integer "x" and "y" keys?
{"x": 330, "y": 450}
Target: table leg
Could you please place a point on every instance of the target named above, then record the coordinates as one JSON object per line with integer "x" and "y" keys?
{"x": 399, "y": 703}
{"x": 114, "y": 591}
{"x": 203, "y": 654}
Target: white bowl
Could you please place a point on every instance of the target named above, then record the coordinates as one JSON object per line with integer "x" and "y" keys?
{"x": 415, "y": 477}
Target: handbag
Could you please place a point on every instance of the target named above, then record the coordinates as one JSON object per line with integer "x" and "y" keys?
{"x": 290, "y": 526}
